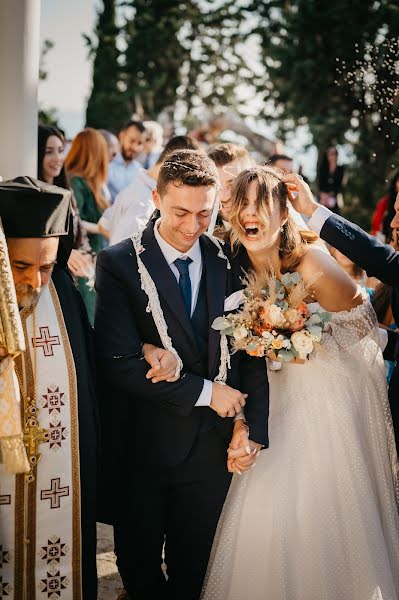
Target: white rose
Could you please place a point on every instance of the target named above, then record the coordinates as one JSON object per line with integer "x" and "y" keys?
{"x": 302, "y": 343}
{"x": 276, "y": 315}
{"x": 240, "y": 333}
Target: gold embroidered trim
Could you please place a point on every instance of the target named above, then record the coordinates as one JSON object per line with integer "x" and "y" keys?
{"x": 75, "y": 458}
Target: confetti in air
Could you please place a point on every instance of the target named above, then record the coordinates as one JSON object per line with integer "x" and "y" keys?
{"x": 374, "y": 75}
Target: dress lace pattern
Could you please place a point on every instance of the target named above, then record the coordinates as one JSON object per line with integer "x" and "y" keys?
{"x": 317, "y": 518}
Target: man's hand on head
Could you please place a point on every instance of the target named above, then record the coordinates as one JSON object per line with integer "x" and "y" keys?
{"x": 300, "y": 194}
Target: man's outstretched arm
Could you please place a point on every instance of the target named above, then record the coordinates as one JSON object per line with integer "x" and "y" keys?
{"x": 377, "y": 259}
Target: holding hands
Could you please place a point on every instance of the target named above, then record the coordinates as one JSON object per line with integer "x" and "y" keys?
{"x": 242, "y": 452}
{"x": 162, "y": 362}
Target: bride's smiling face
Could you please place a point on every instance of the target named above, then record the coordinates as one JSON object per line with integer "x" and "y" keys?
{"x": 259, "y": 219}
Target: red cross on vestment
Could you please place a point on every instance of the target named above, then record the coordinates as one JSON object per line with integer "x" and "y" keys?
{"x": 46, "y": 341}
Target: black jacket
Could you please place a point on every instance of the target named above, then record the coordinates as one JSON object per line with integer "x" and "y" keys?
{"x": 159, "y": 423}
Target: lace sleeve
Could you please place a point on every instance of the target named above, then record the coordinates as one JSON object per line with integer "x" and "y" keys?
{"x": 354, "y": 331}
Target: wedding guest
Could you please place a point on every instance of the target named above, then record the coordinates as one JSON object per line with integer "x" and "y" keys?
{"x": 133, "y": 206}
{"x": 230, "y": 159}
{"x": 50, "y": 169}
{"x": 282, "y": 162}
{"x": 112, "y": 143}
{"x": 152, "y": 144}
{"x": 124, "y": 165}
{"x": 330, "y": 179}
{"x": 87, "y": 166}
{"x": 390, "y": 210}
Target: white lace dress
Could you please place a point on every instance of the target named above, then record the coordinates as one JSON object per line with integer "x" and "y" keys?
{"x": 317, "y": 519}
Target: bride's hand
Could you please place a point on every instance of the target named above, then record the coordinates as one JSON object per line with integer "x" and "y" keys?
{"x": 162, "y": 362}
{"x": 300, "y": 194}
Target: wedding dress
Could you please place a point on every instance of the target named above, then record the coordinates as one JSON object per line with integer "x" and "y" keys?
{"x": 317, "y": 519}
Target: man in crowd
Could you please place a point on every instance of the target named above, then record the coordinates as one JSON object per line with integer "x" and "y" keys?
{"x": 124, "y": 165}
{"x": 230, "y": 159}
{"x": 133, "y": 206}
{"x": 377, "y": 259}
{"x": 47, "y": 515}
{"x": 282, "y": 162}
{"x": 152, "y": 144}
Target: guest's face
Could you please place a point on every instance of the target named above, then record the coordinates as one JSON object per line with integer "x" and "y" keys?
{"x": 255, "y": 234}
{"x": 185, "y": 213}
{"x": 227, "y": 175}
{"x": 395, "y": 220}
{"x": 32, "y": 262}
{"x": 131, "y": 141}
{"x": 284, "y": 165}
{"x": 53, "y": 158}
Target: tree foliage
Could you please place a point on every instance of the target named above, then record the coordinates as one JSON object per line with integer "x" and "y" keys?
{"x": 107, "y": 106}
{"x": 177, "y": 54}
{"x": 329, "y": 65}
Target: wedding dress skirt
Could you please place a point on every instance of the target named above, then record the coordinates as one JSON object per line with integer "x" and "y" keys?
{"x": 317, "y": 519}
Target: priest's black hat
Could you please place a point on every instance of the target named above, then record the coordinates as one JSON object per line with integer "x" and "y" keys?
{"x": 33, "y": 209}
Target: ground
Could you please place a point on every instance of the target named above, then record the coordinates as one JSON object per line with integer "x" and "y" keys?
{"x": 109, "y": 582}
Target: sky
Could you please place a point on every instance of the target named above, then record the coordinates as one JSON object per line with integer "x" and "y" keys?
{"x": 69, "y": 69}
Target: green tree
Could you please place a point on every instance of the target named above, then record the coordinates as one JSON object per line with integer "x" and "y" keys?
{"x": 107, "y": 106}
{"x": 184, "y": 52}
{"x": 327, "y": 67}
{"x": 154, "y": 54}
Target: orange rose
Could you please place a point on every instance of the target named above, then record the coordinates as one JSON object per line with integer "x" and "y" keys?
{"x": 259, "y": 352}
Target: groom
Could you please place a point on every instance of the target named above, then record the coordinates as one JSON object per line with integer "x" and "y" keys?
{"x": 165, "y": 444}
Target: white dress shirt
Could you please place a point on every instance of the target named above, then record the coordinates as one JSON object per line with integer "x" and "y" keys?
{"x": 319, "y": 217}
{"x": 195, "y": 271}
{"x": 132, "y": 208}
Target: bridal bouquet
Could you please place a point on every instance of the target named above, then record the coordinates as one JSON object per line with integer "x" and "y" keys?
{"x": 275, "y": 319}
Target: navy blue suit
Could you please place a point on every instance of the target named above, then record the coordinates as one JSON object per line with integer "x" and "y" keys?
{"x": 164, "y": 459}
{"x": 378, "y": 260}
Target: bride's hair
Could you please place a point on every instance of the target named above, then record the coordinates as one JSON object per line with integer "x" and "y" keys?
{"x": 271, "y": 189}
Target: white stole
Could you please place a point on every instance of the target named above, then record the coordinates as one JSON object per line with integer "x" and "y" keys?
{"x": 43, "y": 507}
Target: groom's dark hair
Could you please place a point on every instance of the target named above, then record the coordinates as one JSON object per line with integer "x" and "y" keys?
{"x": 187, "y": 167}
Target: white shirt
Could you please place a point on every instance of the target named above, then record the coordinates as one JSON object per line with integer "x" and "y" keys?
{"x": 319, "y": 217}
{"x": 195, "y": 271}
{"x": 132, "y": 208}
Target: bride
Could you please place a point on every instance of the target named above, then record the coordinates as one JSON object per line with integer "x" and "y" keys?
{"x": 316, "y": 519}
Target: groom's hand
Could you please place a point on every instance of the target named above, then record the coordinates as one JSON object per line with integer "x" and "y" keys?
{"x": 226, "y": 401}
{"x": 162, "y": 362}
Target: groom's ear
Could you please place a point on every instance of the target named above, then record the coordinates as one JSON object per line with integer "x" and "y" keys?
{"x": 156, "y": 198}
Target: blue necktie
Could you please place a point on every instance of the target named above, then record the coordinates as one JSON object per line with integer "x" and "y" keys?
{"x": 184, "y": 281}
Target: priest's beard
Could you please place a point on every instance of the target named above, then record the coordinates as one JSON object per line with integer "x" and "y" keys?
{"x": 27, "y": 295}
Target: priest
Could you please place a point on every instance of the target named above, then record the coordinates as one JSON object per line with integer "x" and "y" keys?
{"x": 47, "y": 515}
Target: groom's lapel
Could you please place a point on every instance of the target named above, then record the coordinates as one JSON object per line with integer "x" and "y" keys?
{"x": 166, "y": 283}
{"x": 216, "y": 272}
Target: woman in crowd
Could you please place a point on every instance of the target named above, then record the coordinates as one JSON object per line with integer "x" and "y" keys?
{"x": 87, "y": 168}
{"x": 330, "y": 179}
{"x": 50, "y": 168}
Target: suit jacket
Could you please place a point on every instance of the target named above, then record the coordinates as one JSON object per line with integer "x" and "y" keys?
{"x": 160, "y": 421}
{"x": 378, "y": 260}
